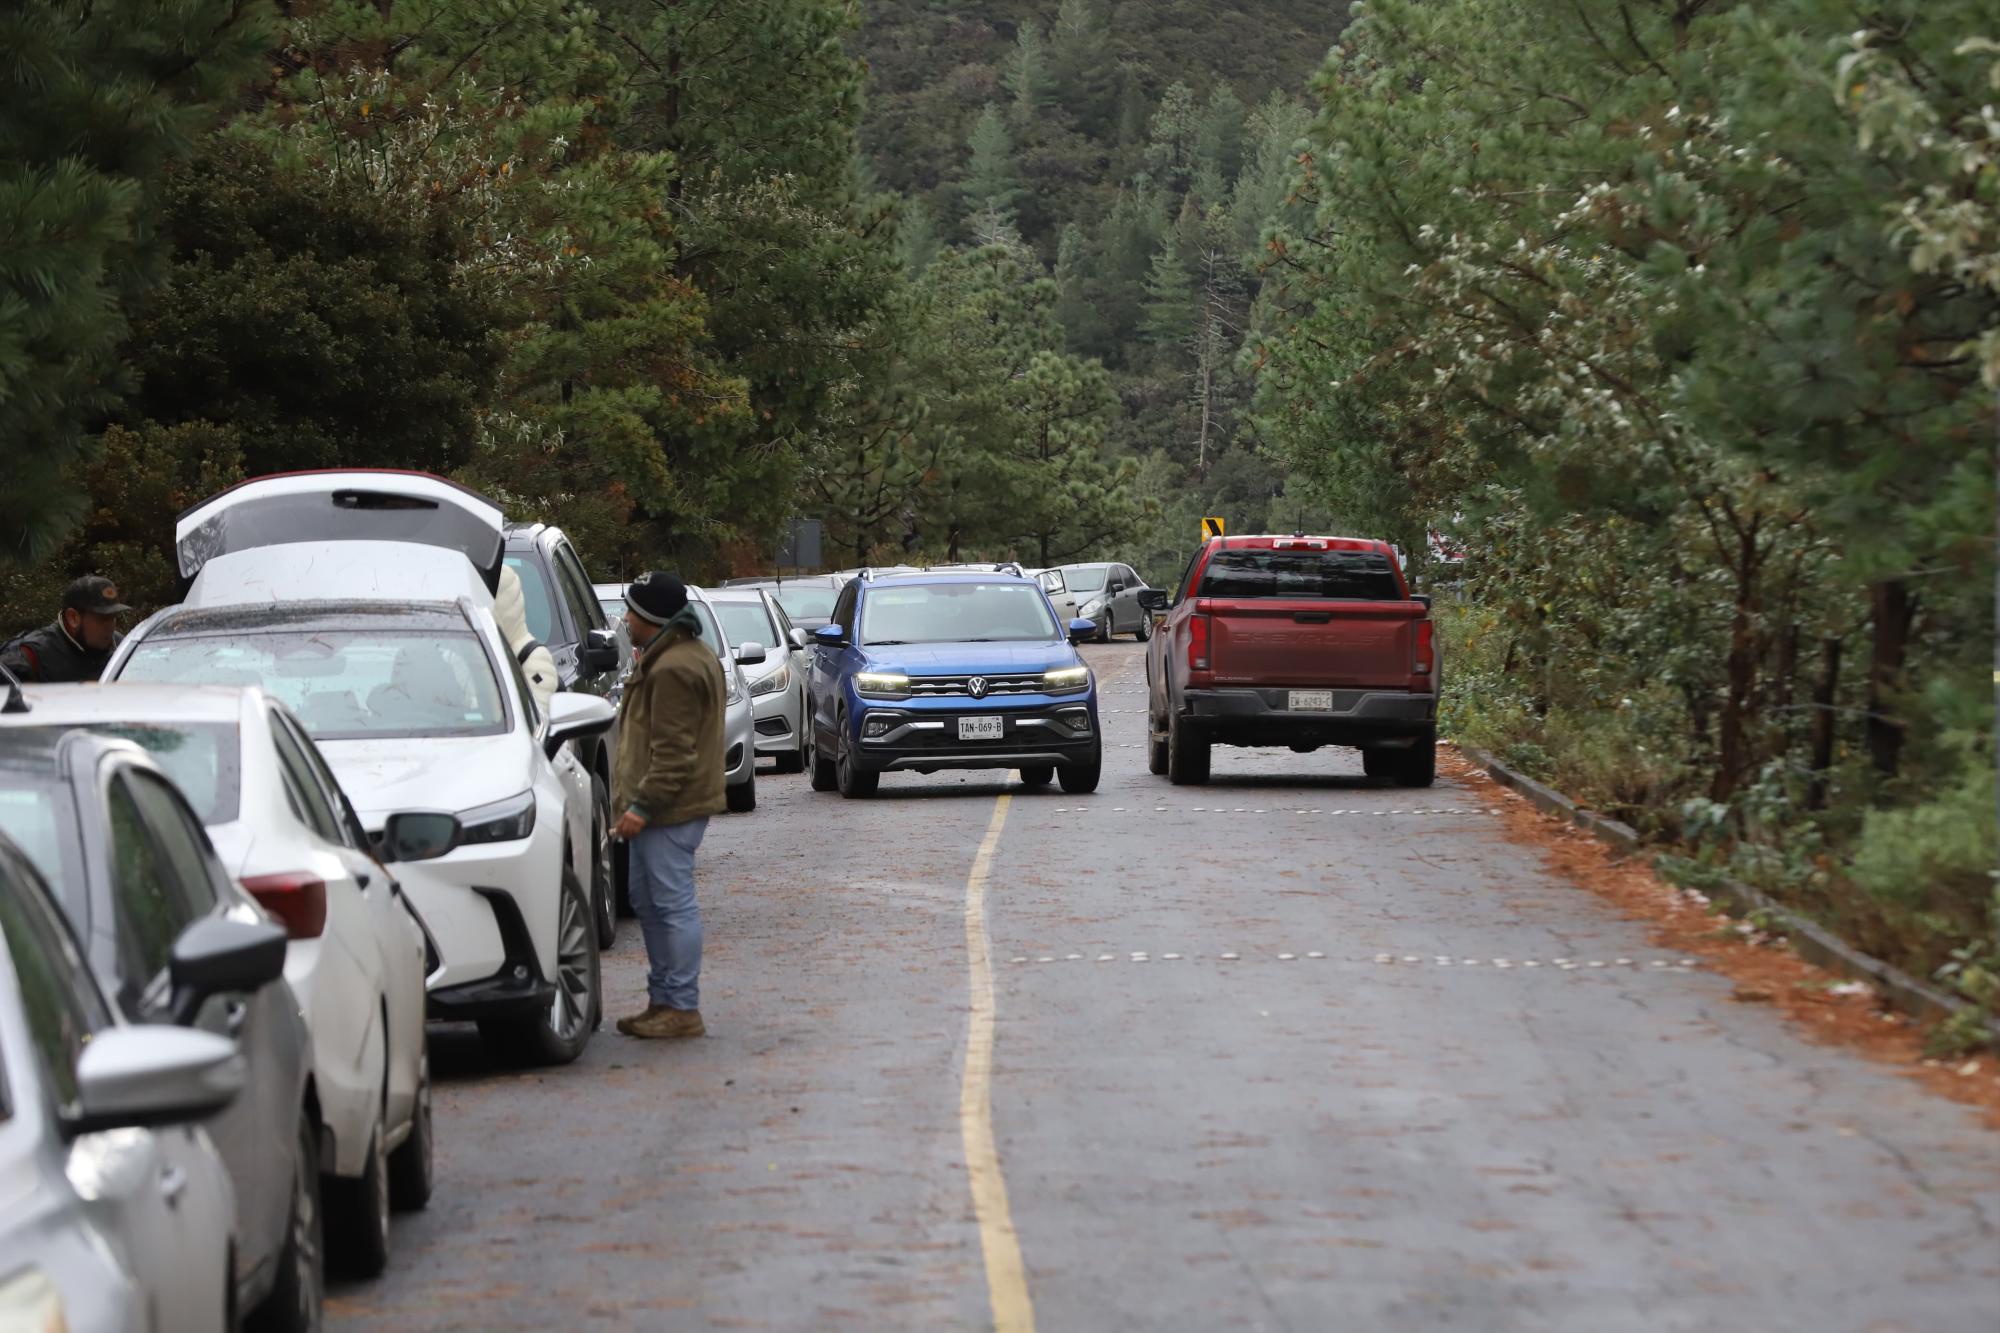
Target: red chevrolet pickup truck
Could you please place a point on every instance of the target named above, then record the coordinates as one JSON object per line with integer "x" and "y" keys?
{"x": 1298, "y": 642}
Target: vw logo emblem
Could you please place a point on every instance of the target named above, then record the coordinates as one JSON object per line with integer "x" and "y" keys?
{"x": 976, "y": 687}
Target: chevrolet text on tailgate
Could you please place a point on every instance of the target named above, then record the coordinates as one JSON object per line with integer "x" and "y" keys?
{"x": 1298, "y": 642}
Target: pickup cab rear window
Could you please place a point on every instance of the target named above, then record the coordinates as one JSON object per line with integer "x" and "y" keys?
{"x": 1361, "y": 576}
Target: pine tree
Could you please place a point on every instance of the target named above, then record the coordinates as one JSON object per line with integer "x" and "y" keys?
{"x": 991, "y": 185}
{"x": 1085, "y": 73}
{"x": 1031, "y": 83}
{"x": 1172, "y": 134}
{"x": 95, "y": 100}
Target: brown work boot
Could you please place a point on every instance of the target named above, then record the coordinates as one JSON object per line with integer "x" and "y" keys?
{"x": 627, "y": 1023}
{"x": 665, "y": 1022}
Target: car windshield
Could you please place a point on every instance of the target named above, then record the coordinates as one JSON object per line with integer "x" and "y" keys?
{"x": 345, "y": 684}
{"x": 540, "y": 601}
{"x": 806, "y": 603}
{"x": 1086, "y": 578}
{"x": 710, "y": 635}
{"x": 202, "y": 758}
{"x": 1363, "y": 576}
{"x": 1011, "y": 612}
{"x": 31, "y": 816}
{"x": 746, "y": 621}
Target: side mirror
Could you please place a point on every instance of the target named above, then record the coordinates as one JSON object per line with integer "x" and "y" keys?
{"x": 830, "y": 636}
{"x": 1117, "y": 587}
{"x": 750, "y": 653}
{"x": 799, "y": 639}
{"x": 220, "y": 956}
{"x": 418, "y": 835}
{"x": 573, "y": 715}
{"x": 600, "y": 651}
{"x": 1422, "y": 599}
{"x": 1153, "y": 599}
{"x": 137, "y": 1077}
{"x": 1082, "y": 631}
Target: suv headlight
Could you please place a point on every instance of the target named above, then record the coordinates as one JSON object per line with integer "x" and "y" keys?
{"x": 502, "y": 821}
{"x": 772, "y": 683}
{"x": 1066, "y": 680}
{"x": 882, "y": 684}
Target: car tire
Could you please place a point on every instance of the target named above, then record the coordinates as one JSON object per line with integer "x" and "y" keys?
{"x": 296, "y": 1303}
{"x": 825, "y": 771}
{"x": 1417, "y": 766}
{"x": 558, "y": 1036}
{"x": 741, "y": 797}
{"x": 800, "y": 759}
{"x": 1038, "y": 775}
{"x": 1379, "y": 763}
{"x": 1187, "y": 754}
{"x": 1082, "y": 779}
{"x": 1156, "y": 748}
{"x": 412, "y": 1167}
{"x": 357, "y": 1215}
{"x": 1145, "y": 630}
{"x": 856, "y": 783}
{"x": 603, "y": 869}
{"x": 1105, "y": 627}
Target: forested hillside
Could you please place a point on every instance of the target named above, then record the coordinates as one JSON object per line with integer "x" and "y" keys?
{"x": 1687, "y": 315}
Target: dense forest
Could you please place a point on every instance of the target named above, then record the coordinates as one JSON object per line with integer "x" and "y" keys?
{"x": 1685, "y": 317}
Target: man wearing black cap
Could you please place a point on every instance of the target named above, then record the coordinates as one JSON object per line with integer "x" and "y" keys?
{"x": 78, "y": 645}
{"x": 666, "y": 782}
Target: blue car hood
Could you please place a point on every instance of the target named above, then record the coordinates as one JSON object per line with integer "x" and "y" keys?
{"x": 958, "y": 659}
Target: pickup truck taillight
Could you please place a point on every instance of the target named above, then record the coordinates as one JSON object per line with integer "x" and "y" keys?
{"x": 297, "y": 899}
{"x": 1426, "y": 648}
{"x": 1197, "y": 643}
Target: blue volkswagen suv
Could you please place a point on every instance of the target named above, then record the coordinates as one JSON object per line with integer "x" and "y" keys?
{"x": 928, "y": 671}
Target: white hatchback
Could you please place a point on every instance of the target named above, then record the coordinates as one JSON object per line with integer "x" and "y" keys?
{"x": 356, "y": 953}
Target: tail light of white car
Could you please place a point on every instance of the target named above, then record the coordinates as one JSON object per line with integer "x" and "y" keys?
{"x": 297, "y": 899}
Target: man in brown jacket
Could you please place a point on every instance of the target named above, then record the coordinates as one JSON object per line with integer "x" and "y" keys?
{"x": 667, "y": 781}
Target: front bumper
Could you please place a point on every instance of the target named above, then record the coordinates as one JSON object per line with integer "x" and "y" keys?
{"x": 1057, "y": 731}
{"x": 773, "y": 715}
{"x": 739, "y": 750}
{"x": 1258, "y": 715}
{"x": 516, "y": 990}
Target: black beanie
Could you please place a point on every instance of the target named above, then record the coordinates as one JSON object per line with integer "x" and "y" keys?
{"x": 657, "y": 596}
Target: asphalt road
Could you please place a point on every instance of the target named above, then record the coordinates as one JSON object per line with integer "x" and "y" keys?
{"x": 1292, "y": 1051}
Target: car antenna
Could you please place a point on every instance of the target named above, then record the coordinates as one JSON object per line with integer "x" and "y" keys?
{"x": 17, "y": 702}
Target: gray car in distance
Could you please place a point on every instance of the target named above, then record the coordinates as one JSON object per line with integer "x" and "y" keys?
{"x": 119, "y": 1213}
{"x": 807, "y": 598}
{"x": 754, "y": 622}
{"x": 1108, "y": 594}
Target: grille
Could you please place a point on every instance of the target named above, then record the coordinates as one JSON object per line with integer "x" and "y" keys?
{"x": 925, "y": 687}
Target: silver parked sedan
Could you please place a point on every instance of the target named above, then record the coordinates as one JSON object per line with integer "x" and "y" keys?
{"x": 754, "y": 624}
{"x": 118, "y": 1210}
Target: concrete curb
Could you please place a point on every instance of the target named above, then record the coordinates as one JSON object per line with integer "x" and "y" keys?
{"x": 1810, "y": 940}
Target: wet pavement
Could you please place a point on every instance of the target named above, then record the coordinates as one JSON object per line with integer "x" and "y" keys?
{"x": 1289, "y": 1051}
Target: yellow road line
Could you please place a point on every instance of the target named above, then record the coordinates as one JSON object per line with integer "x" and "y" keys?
{"x": 1006, "y": 1278}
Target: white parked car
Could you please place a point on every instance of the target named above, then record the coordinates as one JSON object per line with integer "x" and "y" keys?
{"x": 772, "y": 653}
{"x": 388, "y": 653}
{"x": 116, "y": 1211}
{"x": 1060, "y": 597}
{"x": 356, "y": 953}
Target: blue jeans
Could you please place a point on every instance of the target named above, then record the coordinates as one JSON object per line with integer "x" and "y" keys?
{"x": 661, "y": 881}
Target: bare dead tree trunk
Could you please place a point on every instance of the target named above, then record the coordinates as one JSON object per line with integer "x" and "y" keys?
{"x": 1894, "y": 612}
{"x": 1824, "y": 691}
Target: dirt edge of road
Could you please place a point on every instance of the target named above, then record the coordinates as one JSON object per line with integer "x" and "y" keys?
{"x": 1764, "y": 970}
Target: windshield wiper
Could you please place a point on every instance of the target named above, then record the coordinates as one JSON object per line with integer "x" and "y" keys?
{"x": 886, "y": 643}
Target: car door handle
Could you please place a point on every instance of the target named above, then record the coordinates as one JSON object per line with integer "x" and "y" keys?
{"x": 235, "y": 1016}
{"x": 362, "y": 879}
{"x": 173, "y": 1184}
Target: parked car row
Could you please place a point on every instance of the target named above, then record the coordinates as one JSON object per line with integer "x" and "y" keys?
{"x": 312, "y": 806}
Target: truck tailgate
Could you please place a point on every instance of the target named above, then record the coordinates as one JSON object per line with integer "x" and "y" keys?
{"x": 1312, "y": 642}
